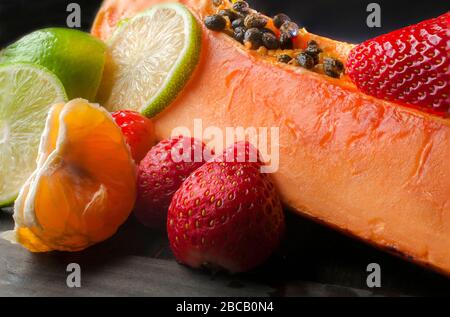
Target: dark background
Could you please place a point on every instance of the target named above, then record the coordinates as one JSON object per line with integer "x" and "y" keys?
{"x": 311, "y": 253}
{"x": 339, "y": 19}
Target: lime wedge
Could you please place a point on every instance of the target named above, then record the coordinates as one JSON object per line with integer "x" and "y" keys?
{"x": 26, "y": 93}
{"x": 151, "y": 57}
{"x": 75, "y": 57}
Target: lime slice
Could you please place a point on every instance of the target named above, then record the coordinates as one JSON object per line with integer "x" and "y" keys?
{"x": 151, "y": 57}
{"x": 75, "y": 57}
{"x": 26, "y": 94}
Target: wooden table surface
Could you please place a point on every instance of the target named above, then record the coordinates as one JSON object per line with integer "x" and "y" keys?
{"x": 313, "y": 261}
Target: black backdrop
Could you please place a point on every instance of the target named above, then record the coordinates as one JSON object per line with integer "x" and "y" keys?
{"x": 340, "y": 19}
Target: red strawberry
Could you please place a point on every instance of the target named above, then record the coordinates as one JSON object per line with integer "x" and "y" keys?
{"x": 138, "y": 131}
{"x": 240, "y": 152}
{"x": 225, "y": 215}
{"x": 410, "y": 65}
{"x": 161, "y": 173}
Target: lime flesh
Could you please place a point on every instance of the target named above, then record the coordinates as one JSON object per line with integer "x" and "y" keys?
{"x": 26, "y": 94}
{"x": 151, "y": 57}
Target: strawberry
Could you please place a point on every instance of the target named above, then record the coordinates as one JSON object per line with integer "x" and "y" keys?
{"x": 161, "y": 173}
{"x": 410, "y": 66}
{"x": 137, "y": 130}
{"x": 240, "y": 152}
{"x": 225, "y": 215}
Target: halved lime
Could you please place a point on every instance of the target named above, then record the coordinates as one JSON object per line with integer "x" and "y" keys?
{"x": 151, "y": 57}
{"x": 26, "y": 93}
{"x": 76, "y": 58}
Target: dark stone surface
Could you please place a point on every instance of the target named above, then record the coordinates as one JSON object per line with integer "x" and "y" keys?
{"x": 313, "y": 261}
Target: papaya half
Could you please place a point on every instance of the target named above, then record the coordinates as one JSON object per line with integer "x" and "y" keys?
{"x": 373, "y": 169}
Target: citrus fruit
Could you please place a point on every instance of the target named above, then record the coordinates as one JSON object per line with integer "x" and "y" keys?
{"x": 26, "y": 94}
{"x": 84, "y": 186}
{"x": 151, "y": 57}
{"x": 75, "y": 57}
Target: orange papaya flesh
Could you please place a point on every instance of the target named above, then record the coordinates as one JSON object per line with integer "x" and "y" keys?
{"x": 373, "y": 169}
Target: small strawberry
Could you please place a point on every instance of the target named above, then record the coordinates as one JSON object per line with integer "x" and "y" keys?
{"x": 161, "y": 173}
{"x": 410, "y": 65}
{"x": 138, "y": 131}
{"x": 225, "y": 215}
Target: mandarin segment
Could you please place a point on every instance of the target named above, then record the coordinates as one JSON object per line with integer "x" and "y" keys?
{"x": 85, "y": 185}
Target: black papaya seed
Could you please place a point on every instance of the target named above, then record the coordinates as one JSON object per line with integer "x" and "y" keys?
{"x": 215, "y": 22}
{"x": 305, "y": 60}
{"x": 241, "y": 6}
{"x": 279, "y": 20}
{"x": 255, "y": 20}
{"x": 239, "y": 34}
{"x": 270, "y": 41}
{"x": 237, "y": 23}
{"x": 333, "y": 67}
{"x": 286, "y": 41}
{"x": 266, "y": 30}
{"x": 254, "y": 37}
{"x": 290, "y": 28}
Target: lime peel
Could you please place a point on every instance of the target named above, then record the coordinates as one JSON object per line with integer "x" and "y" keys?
{"x": 75, "y": 57}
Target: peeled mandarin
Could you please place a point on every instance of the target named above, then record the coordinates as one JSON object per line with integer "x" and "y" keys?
{"x": 84, "y": 186}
